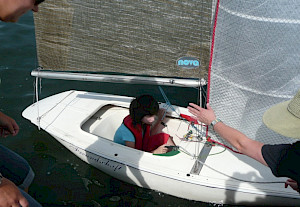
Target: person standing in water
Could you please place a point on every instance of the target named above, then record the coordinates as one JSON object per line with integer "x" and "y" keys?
{"x": 12, "y": 10}
{"x": 14, "y": 170}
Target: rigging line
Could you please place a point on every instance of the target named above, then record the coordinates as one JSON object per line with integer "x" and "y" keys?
{"x": 167, "y": 100}
{"x": 199, "y": 128}
{"x": 185, "y": 151}
{"x": 42, "y": 116}
{"x": 219, "y": 143}
{"x": 38, "y": 82}
{"x": 168, "y": 103}
{"x": 217, "y": 153}
{"x": 212, "y": 49}
{"x": 37, "y": 100}
{"x": 234, "y": 178}
{"x": 197, "y": 146}
{"x": 247, "y": 181}
{"x": 242, "y": 180}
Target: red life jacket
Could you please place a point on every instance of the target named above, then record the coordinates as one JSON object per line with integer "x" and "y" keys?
{"x": 147, "y": 143}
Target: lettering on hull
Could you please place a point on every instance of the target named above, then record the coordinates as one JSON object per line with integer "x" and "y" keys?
{"x": 94, "y": 158}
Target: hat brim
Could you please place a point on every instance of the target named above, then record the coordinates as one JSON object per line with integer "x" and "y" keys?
{"x": 280, "y": 120}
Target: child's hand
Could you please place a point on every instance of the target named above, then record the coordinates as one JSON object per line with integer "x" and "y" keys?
{"x": 161, "y": 149}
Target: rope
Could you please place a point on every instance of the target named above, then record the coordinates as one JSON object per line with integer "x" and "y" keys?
{"x": 217, "y": 153}
{"x": 219, "y": 143}
{"x": 212, "y": 50}
{"x": 38, "y": 83}
{"x": 212, "y": 142}
{"x": 242, "y": 180}
{"x": 38, "y": 88}
{"x": 234, "y": 178}
{"x": 168, "y": 103}
{"x": 56, "y": 105}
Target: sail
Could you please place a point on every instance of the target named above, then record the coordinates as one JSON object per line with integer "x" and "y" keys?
{"x": 255, "y": 63}
{"x": 140, "y": 37}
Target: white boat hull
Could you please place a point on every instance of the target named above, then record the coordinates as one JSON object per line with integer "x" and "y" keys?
{"x": 85, "y": 124}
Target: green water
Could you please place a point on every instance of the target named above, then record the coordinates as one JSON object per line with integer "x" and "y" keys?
{"x": 61, "y": 178}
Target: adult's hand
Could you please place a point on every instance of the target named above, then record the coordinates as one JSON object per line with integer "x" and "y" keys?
{"x": 8, "y": 125}
{"x": 10, "y": 195}
{"x": 291, "y": 183}
{"x": 205, "y": 116}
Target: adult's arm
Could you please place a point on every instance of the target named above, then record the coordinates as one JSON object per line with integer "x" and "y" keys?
{"x": 237, "y": 139}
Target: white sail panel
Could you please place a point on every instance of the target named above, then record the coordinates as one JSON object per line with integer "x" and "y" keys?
{"x": 255, "y": 64}
{"x": 133, "y": 37}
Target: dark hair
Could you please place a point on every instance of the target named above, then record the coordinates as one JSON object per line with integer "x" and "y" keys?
{"x": 37, "y": 2}
{"x": 141, "y": 106}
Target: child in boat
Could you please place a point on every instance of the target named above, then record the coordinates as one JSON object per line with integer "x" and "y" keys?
{"x": 142, "y": 128}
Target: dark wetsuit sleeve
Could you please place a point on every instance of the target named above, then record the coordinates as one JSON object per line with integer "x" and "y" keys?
{"x": 283, "y": 160}
{"x": 273, "y": 155}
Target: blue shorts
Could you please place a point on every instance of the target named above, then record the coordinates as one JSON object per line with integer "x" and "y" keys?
{"x": 15, "y": 168}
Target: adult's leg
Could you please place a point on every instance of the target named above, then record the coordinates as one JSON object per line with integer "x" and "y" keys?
{"x": 15, "y": 168}
{"x": 31, "y": 201}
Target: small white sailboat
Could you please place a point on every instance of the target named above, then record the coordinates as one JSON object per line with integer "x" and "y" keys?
{"x": 85, "y": 122}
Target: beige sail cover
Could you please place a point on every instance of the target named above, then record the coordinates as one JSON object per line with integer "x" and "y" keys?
{"x": 134, "y": 37}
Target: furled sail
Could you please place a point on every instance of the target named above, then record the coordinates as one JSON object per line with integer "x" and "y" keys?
{"x": 255, "y": 63}
{"x": 126, "y": 37}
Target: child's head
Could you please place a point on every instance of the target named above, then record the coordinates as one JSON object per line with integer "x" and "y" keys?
{"x": 141, "y": 106}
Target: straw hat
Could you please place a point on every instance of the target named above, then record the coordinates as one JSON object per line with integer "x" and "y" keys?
{"x": 284, "y": 118}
